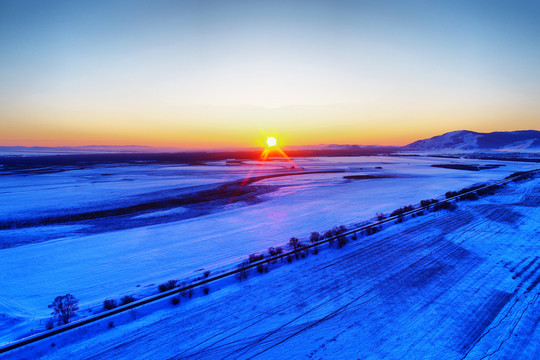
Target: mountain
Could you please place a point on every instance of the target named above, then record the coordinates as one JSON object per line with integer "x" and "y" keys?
{"x": 470, "y": 140}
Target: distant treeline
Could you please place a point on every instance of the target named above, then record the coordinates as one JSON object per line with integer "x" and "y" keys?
{"x": 190, "y": 158}
{"x": 467, "y": 166}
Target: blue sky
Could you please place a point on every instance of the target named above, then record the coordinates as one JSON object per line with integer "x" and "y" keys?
{"x": 186, "y": 72}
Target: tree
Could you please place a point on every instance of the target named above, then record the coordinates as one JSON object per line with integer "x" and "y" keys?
{"x": 242, "y": 270}
{"x": 294, "y": 243}
{"x": 315, "y": 236}
{"x": 64, "y": 307}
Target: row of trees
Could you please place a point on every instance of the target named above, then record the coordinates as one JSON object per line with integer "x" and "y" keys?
{"x": 65, "y": 307}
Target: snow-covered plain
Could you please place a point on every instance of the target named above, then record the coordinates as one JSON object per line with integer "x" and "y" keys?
{"x": 446, "y": 285}
{"x": 41, "y": 262}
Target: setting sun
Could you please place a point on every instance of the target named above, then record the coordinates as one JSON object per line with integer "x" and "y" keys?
{"x": 271, "y": 141}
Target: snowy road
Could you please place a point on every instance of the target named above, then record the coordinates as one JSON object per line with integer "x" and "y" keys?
{"x": 434, "y": 287}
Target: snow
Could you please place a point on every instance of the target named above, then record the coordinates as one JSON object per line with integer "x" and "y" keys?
{"x": 447, "y": 285}
{"x": 104, "y": 265}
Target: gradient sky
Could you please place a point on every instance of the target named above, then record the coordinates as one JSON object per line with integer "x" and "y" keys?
{"x": 207, "y": 74}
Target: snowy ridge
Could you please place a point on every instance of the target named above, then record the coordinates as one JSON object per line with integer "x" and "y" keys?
{"x": 470, "y": 140}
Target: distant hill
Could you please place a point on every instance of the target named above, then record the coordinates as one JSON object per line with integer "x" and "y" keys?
{"x": 88, "y": 149}
{"x": 470, "y": 140}
{"x": 462, "y": 140}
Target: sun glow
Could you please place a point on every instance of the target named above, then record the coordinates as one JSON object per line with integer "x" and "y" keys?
{"x": 271, "y": 141}
{"x": 271, "y": 147}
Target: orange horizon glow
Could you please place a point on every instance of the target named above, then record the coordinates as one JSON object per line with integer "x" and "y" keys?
{"x": 229, "y": 137}
{"x": 218, "y": 143}
{"x": 199, "y": 77}
{"x": 212, "y": 127}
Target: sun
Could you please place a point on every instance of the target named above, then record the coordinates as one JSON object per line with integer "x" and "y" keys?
{"x": 271, "y": 141}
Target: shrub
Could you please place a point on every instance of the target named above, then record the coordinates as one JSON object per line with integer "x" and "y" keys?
{"x": 175, "y": 300}
{"x": 469, "y": 196}
{"x": 354, "y": 236}
{"x": 109, "y": 304}
{"x": 185, "y": 292}
{"x": 450, "y": 194}
{"x": 206, "y": 289}
{"x": 331, "y": 242}
{"x": 279, "y": 250}
{"x": 64, "y": 307}
{"x": 171, "y": 284}
{"x": 444, "y": 205}
{"x": 338, "y": 230}
{"x": 255, "y": 257}
{"x": 371, "y": 230}
{"x": 315, "y": 250}
{"x": 314, "y": 237}
{"x": 342, "y": 241}
{"x": 49, "y": 324}
{"x": 127, "y": 299}
{"x": 243, "y": 271}
{"x": 466, "y": 190}
{"x": 262, "y": 268}
{"x": 207, "y": 273}
{"x": 290, "y": 258}
{"x": 420, "y": 213}
{"x": 111, "y": 324}
{"x": 380, "y": 216}
{"x": 402, "y": 210}
{"x": 399, "y": 219}
{"x": 428, "y": 202}
{"x": 520, "y": 175}
{"x": 328, "y": 234}
{"x": 272, "y": 251}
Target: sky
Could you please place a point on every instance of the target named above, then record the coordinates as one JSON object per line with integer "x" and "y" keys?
{"x": 211, "y": 74}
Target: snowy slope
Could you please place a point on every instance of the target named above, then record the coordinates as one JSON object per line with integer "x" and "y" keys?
{"x": 470, "y": 140}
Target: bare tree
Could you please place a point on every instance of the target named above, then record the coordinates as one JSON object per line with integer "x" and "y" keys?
{"x": 64, "y": 307}
{"x": 294, "y": 243}
{"x": 242, "y": 270}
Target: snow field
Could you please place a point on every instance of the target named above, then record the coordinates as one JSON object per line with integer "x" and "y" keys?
{"x": 446, "y": 285}
{"x": 134, "y": 261}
